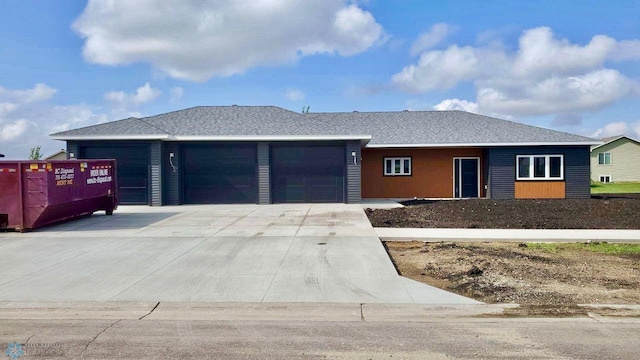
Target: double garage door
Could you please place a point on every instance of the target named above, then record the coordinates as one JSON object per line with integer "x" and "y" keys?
{"x": 226, "y": 174}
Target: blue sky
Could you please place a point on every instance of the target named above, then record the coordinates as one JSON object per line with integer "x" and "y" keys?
{"x": 567, "y": 65}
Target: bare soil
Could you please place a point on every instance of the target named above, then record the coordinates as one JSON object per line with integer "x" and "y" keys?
{"x": 545, "y": 282}
{"x": 604, "y": 211}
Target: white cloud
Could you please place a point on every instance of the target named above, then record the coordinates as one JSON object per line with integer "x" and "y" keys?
{"x": 546, "y": 75}
{"x": 143, "y": 94}
{"x": 27, "y": 119}
{"x": 40, "y": 92}
{"x": 176, "y": 94}
{"x": 12, "y": 130}
{"x": 438, "y": 70}
{"x": 294, "y": 94}
{"x": 636, "y": 130}
{"x": 457, "y": 104}
{"x": 431, "y": 38}
{"x": 611, "y": 129}
{"x": 197, "y": 40}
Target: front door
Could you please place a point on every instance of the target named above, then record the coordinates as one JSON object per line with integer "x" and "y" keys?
{"x": 466, "y": 177}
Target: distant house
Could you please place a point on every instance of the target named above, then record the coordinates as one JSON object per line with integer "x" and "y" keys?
{"x": 266, "y": 154}
{"x": 60, "y": 155}
{"x": 1, "y": 155}
{"x": 617, "y": 160}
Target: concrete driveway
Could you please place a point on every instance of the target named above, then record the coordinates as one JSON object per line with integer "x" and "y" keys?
{"x": 210, "y": 253}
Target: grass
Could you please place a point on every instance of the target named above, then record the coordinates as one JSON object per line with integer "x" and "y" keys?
{"x": 599, "y": 247}
{"x": 615, "y": 188}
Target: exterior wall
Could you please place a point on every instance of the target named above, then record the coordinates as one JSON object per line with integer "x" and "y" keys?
{"x": 625, "y": 161}
{"x": 72, "y": 149}
{"x": 431, "y": 173}
{"x": 264, "y": 173}
{"x": 172, "y": 182}
{"x": 502, "y": 171}
{"x": 540, "y": 190}
{"x": 353, "y": 174}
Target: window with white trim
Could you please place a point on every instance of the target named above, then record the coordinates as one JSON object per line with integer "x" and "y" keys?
{"x": 604, "y": 158}
{"x": 397, "y": 166}
{"x": 539, "y": 167}
{"x": 605, "y": 178}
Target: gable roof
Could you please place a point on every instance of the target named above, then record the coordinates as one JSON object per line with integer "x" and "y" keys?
{"x": 378, "y": 129}
{"x": 610, "y": 139}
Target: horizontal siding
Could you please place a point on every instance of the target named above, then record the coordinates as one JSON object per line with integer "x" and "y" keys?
{"x": 155, "y": 158}
{"x": 625, "y": 161}
{"x": 264, "y": 181}
{"x": 354, "y": 173}
{"x": 172, "y": 189}
{"x": 502, "y": 169}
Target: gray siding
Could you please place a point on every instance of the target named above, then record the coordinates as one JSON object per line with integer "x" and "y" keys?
{"x": 72, "y": 147}
{"x": 155, "y": 158}
{"x": 353, "y": 175}
{"x": 502, "y": 169}
{"x": 172, "y": 178}
{"x": 264, "y": 181}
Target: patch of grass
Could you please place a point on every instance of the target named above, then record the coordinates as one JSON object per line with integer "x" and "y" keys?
{"x": 615, "y": 188}
{"x": 599, "y": 247}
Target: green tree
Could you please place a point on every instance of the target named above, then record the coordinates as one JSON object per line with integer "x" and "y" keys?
{"x": 35, "y": 153}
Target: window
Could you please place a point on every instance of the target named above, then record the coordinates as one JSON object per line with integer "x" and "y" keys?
{"x": 397, "y": 166}
{"x": 539, "y": 167}
{"x": 604, "y": 158}
{"x": 605, "y": 178}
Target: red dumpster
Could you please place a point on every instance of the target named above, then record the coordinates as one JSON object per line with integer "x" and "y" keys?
{"x": 38, "y": 193}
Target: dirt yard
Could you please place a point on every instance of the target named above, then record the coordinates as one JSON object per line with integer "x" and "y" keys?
{"x": 534, "y": 275}
{"x": 604, "y": 211}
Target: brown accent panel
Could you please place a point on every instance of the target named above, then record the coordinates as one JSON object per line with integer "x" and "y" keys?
{"x": 431, "y": 173}
{"x": 540, "y": 190}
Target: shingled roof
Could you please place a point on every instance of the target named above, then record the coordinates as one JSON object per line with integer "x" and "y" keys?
{"x": 380, "y": 129}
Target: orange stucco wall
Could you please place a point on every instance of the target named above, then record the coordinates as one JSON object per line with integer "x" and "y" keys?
{"x": 432, "y": 173}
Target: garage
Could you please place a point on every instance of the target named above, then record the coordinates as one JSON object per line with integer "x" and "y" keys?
{"x": 132, "y": 172}
{"x": 219, "y": 174}
{"x": 307, "y": 174}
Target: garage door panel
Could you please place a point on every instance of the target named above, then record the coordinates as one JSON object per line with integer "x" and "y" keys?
{"x": 220, "y": 174}
{"x": 307, "y": 174}
{"x": 132, "y": 164}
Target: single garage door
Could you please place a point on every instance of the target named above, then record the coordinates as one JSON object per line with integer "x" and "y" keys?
{"x": 132, "y": 171}
{"x": 310, "y": 174}
{"x": 219, "y": 174}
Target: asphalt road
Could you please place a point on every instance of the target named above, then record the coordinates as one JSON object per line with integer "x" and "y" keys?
{"x": 443, "y": 338}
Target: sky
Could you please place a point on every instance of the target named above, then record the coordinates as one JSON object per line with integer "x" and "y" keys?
{"x": 568, "y": 65}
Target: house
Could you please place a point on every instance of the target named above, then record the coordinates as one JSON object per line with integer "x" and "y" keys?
{"x": 616, "y": 159}
{"x": 266, "y": 154}
{"x": 60, "y": 155}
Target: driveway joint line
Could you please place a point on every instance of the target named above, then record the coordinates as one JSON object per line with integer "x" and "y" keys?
{"x": 159, "y": 268}
{"x": 293, "y": 239}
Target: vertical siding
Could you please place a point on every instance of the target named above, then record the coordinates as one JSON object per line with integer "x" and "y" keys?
{"x": 264, "y": 185}
{"x": 354, "y": 174}
{"x": 502, "y": 169}
{"x": 172, "y": 174}
{"x": 625, "y": 161}
{"x": 72, "y": 147}
{"x": 431, "y": 173}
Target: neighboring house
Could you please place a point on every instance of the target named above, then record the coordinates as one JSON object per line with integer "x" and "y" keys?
{"x": 617, "y": 160}
{"x": 60, "y": 155}
{"x": 266, "y": 154}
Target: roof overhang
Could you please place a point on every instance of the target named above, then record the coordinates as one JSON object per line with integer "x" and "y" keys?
{"x": 580, "y": 143}
{"x": 364, "y": 139}
{"x": 108, "y": 137}
{"x": 603, "y": 143}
